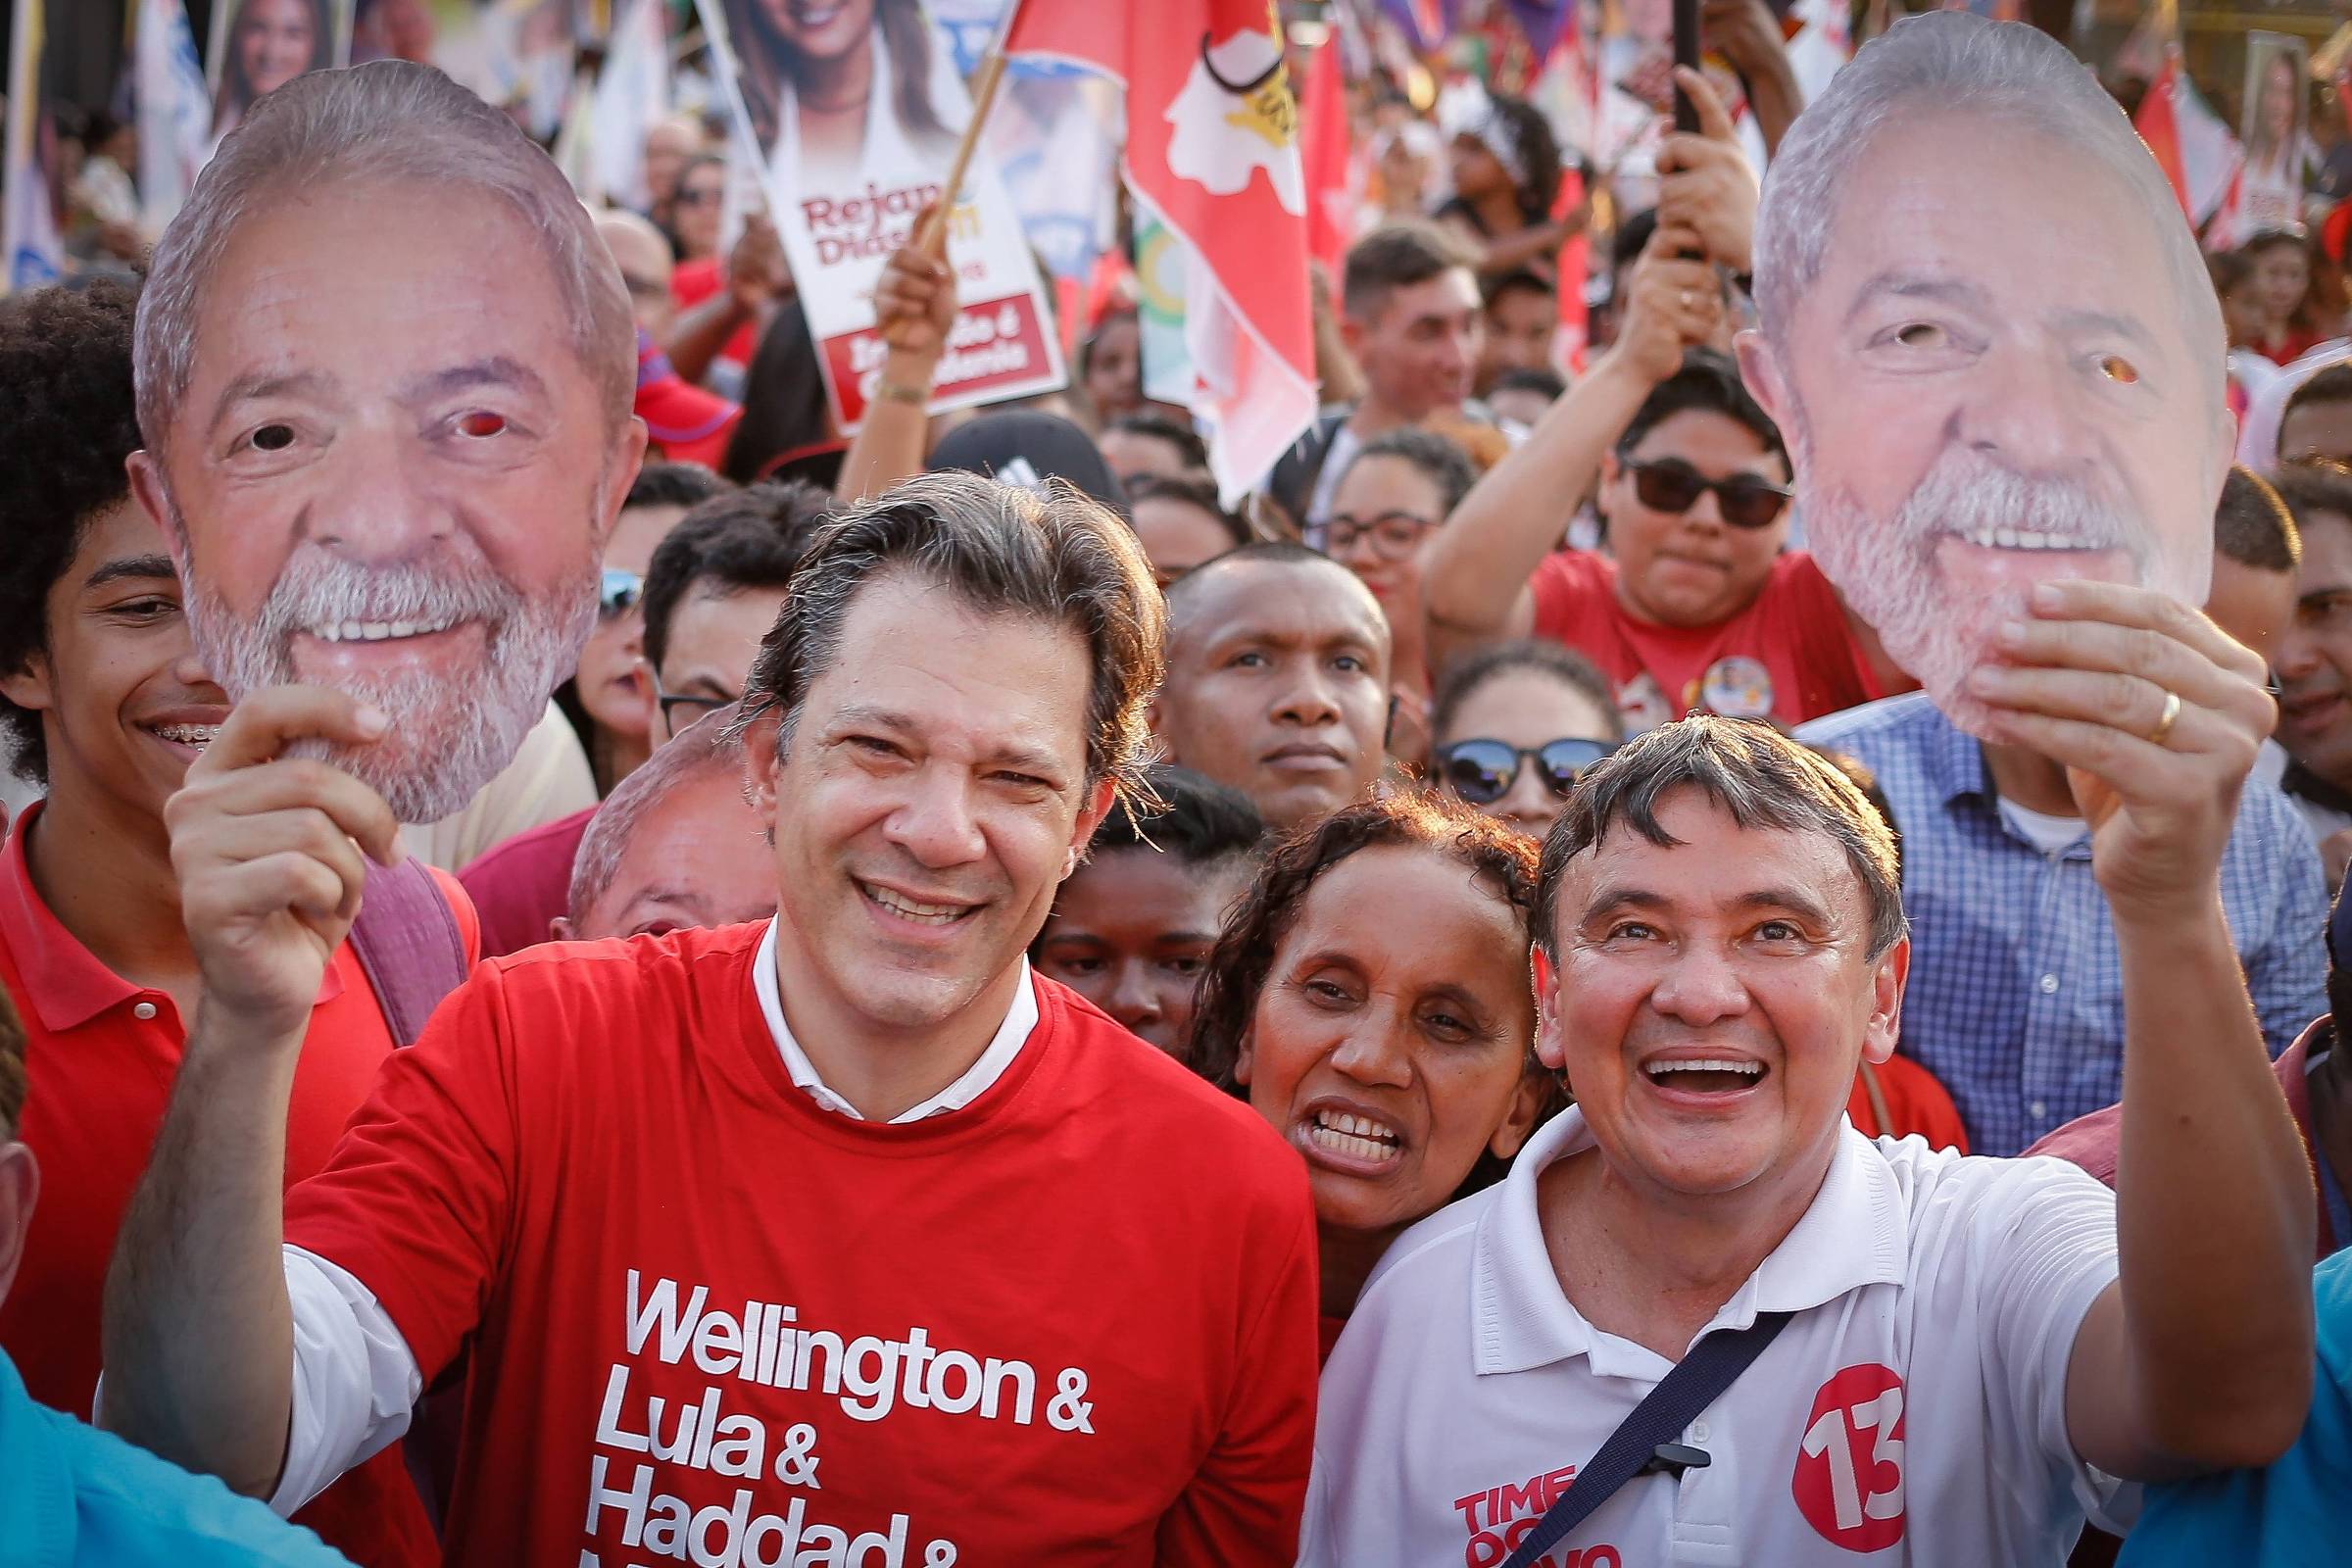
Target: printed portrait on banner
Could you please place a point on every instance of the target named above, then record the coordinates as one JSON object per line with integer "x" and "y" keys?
{"x": 2274, "y": 131}
{"x": 851, "y": 113}
{"x": 1992, "y": 344}
{"x": 517, "y": 55}
{"x": 259, "y": 45}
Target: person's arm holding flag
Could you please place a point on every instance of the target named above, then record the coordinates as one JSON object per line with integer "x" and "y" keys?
{"x": 914, "y": 308}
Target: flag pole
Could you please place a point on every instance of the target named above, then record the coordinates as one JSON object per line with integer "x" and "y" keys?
{"x": 934, "y": 235}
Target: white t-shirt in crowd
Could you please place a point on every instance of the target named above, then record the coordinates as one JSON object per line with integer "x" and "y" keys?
{"x": 2045, "y": 831}
{"x": 1922, "y": 1379}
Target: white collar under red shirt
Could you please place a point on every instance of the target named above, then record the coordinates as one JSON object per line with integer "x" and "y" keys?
{"x": 1019, "y": 1022}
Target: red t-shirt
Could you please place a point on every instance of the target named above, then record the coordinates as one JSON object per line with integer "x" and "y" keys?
{"x": 520, "y": 884}
{"x": 100, "y": 1055}
{"x": 1072, "y": 1322}
{"x": 692, "y": 283}
{"x": 1789, "y": 657}
{"x": 1916, "y": 1102}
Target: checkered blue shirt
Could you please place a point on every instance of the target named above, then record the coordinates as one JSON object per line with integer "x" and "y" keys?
{"x": 2016, "y": 1000}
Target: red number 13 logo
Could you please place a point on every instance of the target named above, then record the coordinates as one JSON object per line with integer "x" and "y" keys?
{"x": 1849, "y": 1465}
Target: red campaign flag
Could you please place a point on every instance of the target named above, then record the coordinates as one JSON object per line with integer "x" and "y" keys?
{"x": 1574, "y": 334}
{"x": 1213, "y": 149}
{"x": 2162, "y": 132}
{"x": 1323, "y": 150}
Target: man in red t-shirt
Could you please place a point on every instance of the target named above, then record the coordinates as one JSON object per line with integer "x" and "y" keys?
{"x": 841, "y": 1235}
{"x": 102, "y": 705}
{"x": 1698, "y": 605}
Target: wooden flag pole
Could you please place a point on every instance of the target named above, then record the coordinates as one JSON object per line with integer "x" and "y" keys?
{"x": 934, "y": 235}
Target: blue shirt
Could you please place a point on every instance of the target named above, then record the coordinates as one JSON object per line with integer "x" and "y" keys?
{"x": 2291, "y": 1513}
{"x": 2016, "y": 999}
{"x": 72, "y": 1494}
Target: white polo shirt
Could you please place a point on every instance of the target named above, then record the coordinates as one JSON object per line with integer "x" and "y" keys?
{"x": 1921, "y": 1383}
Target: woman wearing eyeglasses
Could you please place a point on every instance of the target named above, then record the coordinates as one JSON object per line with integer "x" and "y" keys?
{"x": 1697, "y": 606}
{"x": 1396, "y": 490}
{"x": 1514, "y": 725}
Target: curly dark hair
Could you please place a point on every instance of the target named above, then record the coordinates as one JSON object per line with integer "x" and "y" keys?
{"x": 67, "y": 419}
{"x": 1539, "y": 150}
{"x": 1504, "y": 861}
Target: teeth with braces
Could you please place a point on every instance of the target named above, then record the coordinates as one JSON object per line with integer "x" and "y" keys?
{"x": 196, "y": 735}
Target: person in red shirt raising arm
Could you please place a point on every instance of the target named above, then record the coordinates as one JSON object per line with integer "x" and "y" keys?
{"x": 1698, "y": 607}
{"x": 840, "y": 1237}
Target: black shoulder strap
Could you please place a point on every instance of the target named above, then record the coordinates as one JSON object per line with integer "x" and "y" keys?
{"x": 1713, "y": 1365}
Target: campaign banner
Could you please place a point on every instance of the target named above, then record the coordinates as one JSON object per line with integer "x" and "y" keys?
{"x": 31, "y": 236}
{"x": 519, "y": 55}
{"x": 259, "y": 45}
{"x": 174, "y": 113}
{"x": 852, "y": 126}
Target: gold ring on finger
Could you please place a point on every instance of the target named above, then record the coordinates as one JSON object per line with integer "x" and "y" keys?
{"x": 2171, "y": 717}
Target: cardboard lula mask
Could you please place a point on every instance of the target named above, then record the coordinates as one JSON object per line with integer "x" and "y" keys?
{"x": 385, "y": 370}
{"x": 1990, "y": 340}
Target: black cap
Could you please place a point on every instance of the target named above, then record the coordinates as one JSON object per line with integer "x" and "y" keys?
{"x": 1025, "y": 447}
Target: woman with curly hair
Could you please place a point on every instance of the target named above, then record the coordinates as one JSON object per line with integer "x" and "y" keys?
{"x": 1371, "y": 997}
{"x": 1506, "y": 178}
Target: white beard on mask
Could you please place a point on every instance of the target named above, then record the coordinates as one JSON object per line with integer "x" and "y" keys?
{"x": 447, "y": 736}
{"x": 1887, "y": 572}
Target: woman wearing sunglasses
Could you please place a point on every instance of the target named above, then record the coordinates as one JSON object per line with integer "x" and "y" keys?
{"x": 1697, "y": 603}
{"x": 1397, "y": 1055}
{"x": 1514, "y": 725}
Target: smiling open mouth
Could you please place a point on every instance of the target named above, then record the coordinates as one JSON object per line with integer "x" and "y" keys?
{"x": 2025, "y": 539}
{"x": 915, "y": 910}
{"x": 1356, "y": 1137}
{"x": 377, "y": 631}
{"x": 1704, "y": 1075}
{"x": 197, "y": 735}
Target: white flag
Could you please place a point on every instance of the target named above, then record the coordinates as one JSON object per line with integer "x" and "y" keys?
{"x": 631, "y": 94}
{"x": 33, "y": 252}
{"x": 174, "y": 113}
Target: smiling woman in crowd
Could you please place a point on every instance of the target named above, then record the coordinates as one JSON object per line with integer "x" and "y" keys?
{"x": 1396, "y": 1056}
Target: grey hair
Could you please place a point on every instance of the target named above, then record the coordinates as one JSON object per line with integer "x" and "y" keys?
{"x": 1752, "y": 771}
{"x": 389, "y": 119}
{"x": 1055, "y": 558}
{"x": 708, "y": 742}
{"x": 1954, "y": 63}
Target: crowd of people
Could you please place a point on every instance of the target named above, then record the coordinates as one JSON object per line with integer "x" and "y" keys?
{"x": 597, "y": 970}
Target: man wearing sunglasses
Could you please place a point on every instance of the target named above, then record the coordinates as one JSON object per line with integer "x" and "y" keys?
{"x": 1697, "y": 606}
{"x": 708, "y": 597}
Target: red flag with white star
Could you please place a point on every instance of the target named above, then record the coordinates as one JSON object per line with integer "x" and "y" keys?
{"x": 1212, "y": 148}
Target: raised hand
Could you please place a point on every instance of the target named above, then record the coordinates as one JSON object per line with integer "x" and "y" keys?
{"x": 915, "y": 298}
{"x": 1704, "y": 181}
{"x": 1672, "y": 303}
{"x": 758, "y": 273}
{"x": 2157, "y": 715}
{"x": 271, "y": 850}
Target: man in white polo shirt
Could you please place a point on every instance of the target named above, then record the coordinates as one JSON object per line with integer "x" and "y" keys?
{"x": 1963, "y": 1375}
